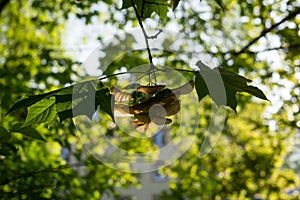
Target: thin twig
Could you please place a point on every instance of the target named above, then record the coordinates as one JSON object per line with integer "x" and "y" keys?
{"x": 146, "y": 40}
{"x": 283, "y": 47}
{"x": 265, "y": 31}
{"x": 120, "y": 73}
{"x": 155, "y": 36}
{"x": 181, "y": 70}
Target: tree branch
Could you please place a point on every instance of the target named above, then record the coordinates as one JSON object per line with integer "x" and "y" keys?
{"x": 120, "y": 73}
{"x": 274, "y": 49}
{"x": 265, "y": 31}
{"x": 3, "y": 3}
{"x": 181, "y": 70}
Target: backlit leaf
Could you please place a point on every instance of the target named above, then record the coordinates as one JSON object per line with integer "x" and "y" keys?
{"x": 42, "y": 111}
{"x": 79, "y": 99}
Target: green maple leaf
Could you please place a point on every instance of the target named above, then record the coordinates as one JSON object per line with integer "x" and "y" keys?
{"x": 222, "y": 85}
{"x": 126, "y": 4}
{"x": 42, "y": 111}
{"x": 26, "y": 102}
{"x": 156, "y": 6}
{"x": 79, "y": 99}
{"x": 83, "y": 99}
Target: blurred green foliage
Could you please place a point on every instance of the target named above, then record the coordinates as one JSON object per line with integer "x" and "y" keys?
{"x": 250, "y": 158}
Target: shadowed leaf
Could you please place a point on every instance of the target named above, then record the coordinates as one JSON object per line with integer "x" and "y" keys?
{"x": 28, "y": 131}
{"x": 222, "y": 85}
{"x": 24, "y": 103}
{"x": 175, "y": 4}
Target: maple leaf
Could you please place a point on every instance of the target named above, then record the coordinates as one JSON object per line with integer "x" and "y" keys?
{"x": 222, "y": 85}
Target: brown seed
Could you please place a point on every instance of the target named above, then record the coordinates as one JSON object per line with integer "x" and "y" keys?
{"x": 184, "y": 89}
{"x": 143, "y": 117}
{"x": 173, "y": 108}
{"x": 161, "y": 120}
{"x": 151, "y": 89}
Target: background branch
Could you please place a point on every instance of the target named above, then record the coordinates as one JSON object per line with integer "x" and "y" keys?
{"x": 274, "y": 49}
{"x": 265, "y": 31}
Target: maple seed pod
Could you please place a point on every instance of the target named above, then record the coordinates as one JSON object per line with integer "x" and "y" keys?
{"x": 161, "y": 120}
{"x": 143, "y": 117}
{"x": 173, "y": 108}
{"x": 122, "y": 110}
{"x": 167, "y": 100}
{"x": 136, "y": 122}
{"x": 164, "y": 93}
{"x": 185, "y": 89}
{"x": 140, "y": 108}
{"x": 151, "y": 89}
{"x": 120, "y": 96}
{"x": 149, "y": 105}
{"x": 140, "y": 127}
{"x": 157, "y": 114}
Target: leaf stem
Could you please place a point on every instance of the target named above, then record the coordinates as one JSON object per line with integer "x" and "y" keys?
{"x": 120, "y": 73}
{"x": 181, "y": 70}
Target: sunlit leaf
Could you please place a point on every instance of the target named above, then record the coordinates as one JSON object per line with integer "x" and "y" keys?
{"x": 24, "y": 103}
{"x": 42, "y": 111}
{"x": 79, "y": 99}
